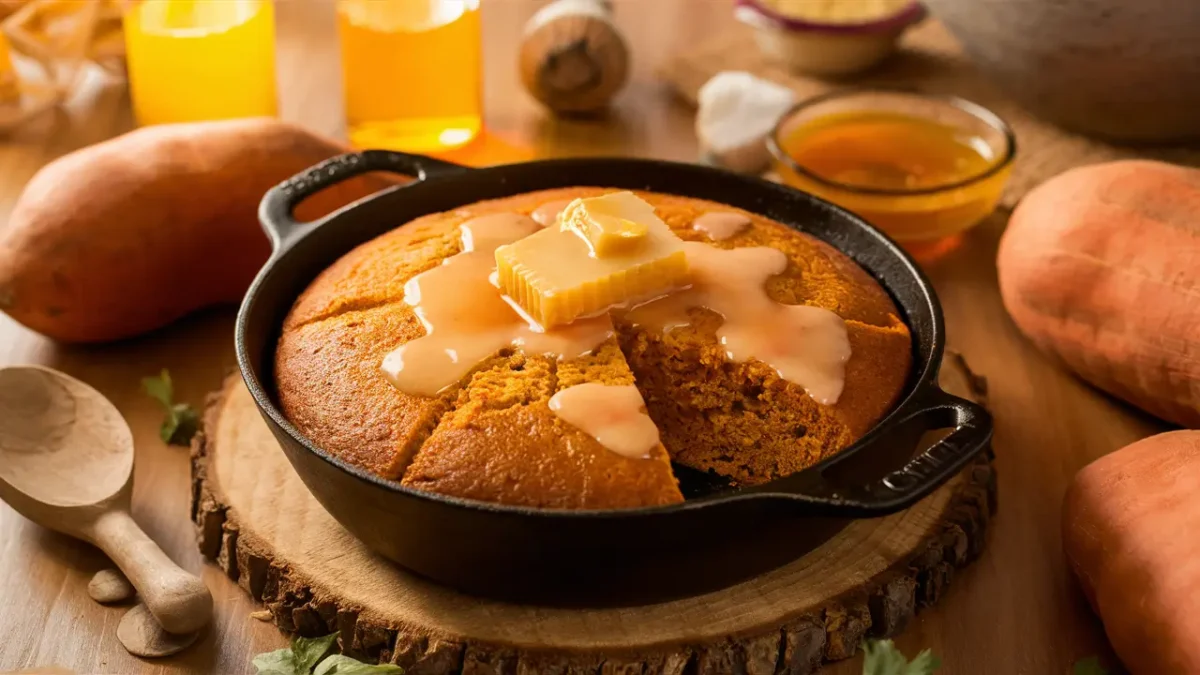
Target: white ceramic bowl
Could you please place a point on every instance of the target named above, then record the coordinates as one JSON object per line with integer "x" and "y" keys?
{"x": 826, "y": 48}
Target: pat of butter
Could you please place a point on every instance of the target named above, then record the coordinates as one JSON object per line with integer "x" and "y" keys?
{"x": 613, "y": 224}
{"x": 555, "y": 278}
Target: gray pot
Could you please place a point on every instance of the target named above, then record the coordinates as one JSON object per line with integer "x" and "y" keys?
{"x": 1121, "y": 69}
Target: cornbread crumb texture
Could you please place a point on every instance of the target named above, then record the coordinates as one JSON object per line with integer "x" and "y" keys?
{"x": 494, "y": 437}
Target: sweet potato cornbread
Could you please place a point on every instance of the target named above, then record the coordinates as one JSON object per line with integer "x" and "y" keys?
{"x": 404, "y": 358}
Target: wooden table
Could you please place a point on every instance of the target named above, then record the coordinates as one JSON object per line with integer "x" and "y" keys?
{"x": 1016, "y": 611}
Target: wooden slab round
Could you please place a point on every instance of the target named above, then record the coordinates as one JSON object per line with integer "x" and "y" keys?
{"x": 260, "y": 524}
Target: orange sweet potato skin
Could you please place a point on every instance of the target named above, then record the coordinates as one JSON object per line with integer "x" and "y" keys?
{"x": 1100, "y": 267}
{"x": 125, "y": 236}
{"x": 1131, "y": 533}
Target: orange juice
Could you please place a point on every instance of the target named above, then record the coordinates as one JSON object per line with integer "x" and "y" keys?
{"x": 8, "y": 76}
{"x": 412, "y": 72}
{"x": 192, "y": 60}
{"x": 915, "y": 178}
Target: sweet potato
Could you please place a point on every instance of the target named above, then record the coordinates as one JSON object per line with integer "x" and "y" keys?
{"x": 1100, "y": 267}
{"x": 128, "y": 235}
{"x": 1130, "y": 526}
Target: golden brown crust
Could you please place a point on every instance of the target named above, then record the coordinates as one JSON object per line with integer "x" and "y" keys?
{"x": 501, "y": 443}
{"x": 741, "y": 420}
{"x": 526, "y": 456}
{"x": 327, "y": 376}
{"x": 494, "y": 439}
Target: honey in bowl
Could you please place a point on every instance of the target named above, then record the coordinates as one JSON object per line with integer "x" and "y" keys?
{"x": 920, "y": 172}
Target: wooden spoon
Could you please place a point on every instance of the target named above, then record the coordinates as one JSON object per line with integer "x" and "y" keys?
{"x": 66, "y": 463}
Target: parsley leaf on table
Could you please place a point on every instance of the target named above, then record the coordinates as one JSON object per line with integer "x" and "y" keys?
{"x": 182, "y": 421}
{"x": 880, "y": 657}
{"x": 310, "y": 651}
{"x": 278, "y": 662}
{"x": 305, "y": 654}
{"x": 340, "y": 664}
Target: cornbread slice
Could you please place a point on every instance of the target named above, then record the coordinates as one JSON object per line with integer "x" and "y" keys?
{"x": 555, "y": 278}
{"x": 501, "y": 441}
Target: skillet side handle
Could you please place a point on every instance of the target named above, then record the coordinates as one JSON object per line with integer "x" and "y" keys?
{"x": 939, "y": 463}
{"x": 276, "y": 211}
{"x": 922, "y": 474}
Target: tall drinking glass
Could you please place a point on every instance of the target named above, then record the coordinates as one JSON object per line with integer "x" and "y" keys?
{"x": 412, "y": 72}
{"x": 192, "y": 60}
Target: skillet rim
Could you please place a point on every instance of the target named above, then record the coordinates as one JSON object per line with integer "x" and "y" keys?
{"x": 922, "y": 377}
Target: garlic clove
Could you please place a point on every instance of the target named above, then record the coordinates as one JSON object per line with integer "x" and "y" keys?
{"x": 737, "y": 113}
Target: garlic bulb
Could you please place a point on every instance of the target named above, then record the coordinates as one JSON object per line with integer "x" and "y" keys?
{"x": 737, "y": 113}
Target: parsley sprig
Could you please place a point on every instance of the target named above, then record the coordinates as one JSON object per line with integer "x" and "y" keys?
{"x": 181, "y": 421}
{"x": 310, "y": 656}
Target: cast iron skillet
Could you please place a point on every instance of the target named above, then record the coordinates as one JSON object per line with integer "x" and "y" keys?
{"x": 718, "y": 536}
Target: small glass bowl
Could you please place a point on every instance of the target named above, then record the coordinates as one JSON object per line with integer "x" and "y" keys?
{"x": 920, "y": 214}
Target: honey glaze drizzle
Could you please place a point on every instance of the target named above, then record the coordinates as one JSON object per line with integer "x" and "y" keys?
{"x": 547, "y": 214}
{"x": 613, "y": 415}
{"x": 721, "y": 225}
{"x": 807, "y": 346}
{"x": 467, "y": 320}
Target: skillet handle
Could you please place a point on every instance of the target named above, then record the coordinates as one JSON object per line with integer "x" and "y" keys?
{"x": 922, "y": 474}
{"x": 276, "y": 211}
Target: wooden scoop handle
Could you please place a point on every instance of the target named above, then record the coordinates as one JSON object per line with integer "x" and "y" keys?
{"x": 177, "y": 598}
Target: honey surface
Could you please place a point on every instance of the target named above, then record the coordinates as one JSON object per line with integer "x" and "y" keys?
{"x": 886, "y": 150}
{"x": 897, "y": 154}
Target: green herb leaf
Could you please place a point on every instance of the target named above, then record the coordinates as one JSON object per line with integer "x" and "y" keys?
{"x": 180, "y": 425}
{"x": 340, "y": 664}
{"x": 182, "y": 421}
{"x": 160, "y": 388}
{"x": 880, "y": 657}
{"x": 309, "y": 651}
{"x": 278, "y": 662}
{"x": 1089, "y": 666}
{"x": 924, "y": 664}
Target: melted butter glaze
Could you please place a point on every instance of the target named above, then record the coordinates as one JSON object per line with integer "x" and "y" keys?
{"x": 721, "y": 225}
{"x": 807, "y": 346}
{"x": 467, "y": 320}
{"x": 613, "y": 415}
{"x": 547, "y": 214}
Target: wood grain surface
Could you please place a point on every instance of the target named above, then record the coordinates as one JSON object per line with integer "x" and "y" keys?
{"x": 1014, "y": 612}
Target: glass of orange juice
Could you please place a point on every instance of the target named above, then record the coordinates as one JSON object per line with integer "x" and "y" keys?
{"x": 412, "y": 71}
{"x": 192, "y": 60}
{"x": 8, "y": 76}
